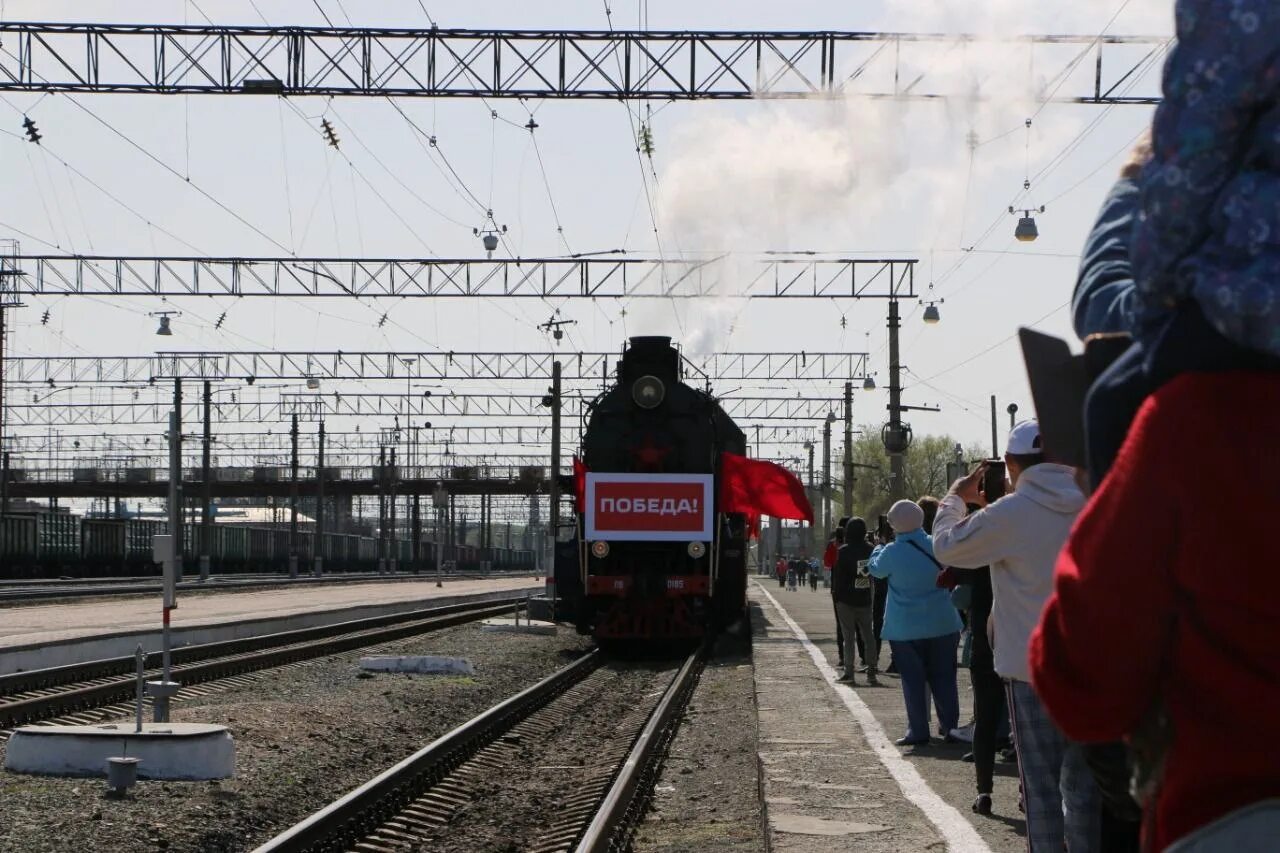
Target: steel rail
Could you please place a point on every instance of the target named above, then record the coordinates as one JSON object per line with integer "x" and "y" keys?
{"x": 35, "y": 589}
{"x": 621, "y": 807}
{"x": 356, "y": 813}
{"x": 30, "y": 699}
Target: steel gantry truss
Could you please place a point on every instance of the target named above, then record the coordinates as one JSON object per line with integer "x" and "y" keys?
{"x": 540, "y": 278}
{"x": 62, "y": 444}
{"x": 312, "y": 408}
{"x": 284, "y": 60}
{"x": 416, "y": 366}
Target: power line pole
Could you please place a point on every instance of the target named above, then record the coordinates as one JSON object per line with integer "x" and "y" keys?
{"x": 175, "y": 479}
{"x": 4, "y": 459}
{"x": 995, "y": 446}
{"x": 206, "y": 487}
{"x": 826, "y": 474}
{"x": 813, "y": 528}
{"x": 847, "y": 505}
{"x": 395, "y": 549}
{"x": 382, "y": 509}
{"x": 318, "y": 550}
{"x": 9, "y": 272}
{"x": 898, "y": 439}
{"x": 555, "y": 461}
{"x": 293, "y": 497}
{"x": 416, "y": 522}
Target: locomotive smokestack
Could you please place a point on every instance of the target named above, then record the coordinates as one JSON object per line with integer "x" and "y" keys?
{"x": 650, "y": 356}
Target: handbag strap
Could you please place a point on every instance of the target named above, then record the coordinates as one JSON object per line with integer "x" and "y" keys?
{"x": 932, "y": 559}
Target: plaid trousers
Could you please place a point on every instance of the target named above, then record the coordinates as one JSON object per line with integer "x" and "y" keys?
{"x": 1060, "y": 797}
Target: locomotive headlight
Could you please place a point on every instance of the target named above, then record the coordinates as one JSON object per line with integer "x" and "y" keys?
{"x": 600, "y": 549}
{"x": 697, "y": 549}
{"x": 648, "y": 392}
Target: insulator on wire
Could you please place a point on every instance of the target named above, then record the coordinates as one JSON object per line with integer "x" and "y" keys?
{"x": 44, "y": 320}
{"x": 330, "y": 135}
{"x": 644, "y": 140}
{"x": 33, "y": 133}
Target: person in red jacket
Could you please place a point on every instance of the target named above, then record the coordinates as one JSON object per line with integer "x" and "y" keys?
{"x": 1163, "y": 625}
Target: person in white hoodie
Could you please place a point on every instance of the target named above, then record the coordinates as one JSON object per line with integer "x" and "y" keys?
{"x": 1019, "y": 537}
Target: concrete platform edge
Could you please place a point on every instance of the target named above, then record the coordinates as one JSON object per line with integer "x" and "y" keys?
{"x": 103, "y": 646}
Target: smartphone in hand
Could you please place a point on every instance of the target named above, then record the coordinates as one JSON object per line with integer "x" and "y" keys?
{"x": 992, "y": 485}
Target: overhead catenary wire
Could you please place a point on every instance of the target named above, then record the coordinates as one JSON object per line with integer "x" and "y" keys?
{"x": 164, "y": 165}
{"x": 644, "y": 177}
{"x": 994, "y": 346}
{"x": 1143, "y": 68}
{"x": 110, "y": 195}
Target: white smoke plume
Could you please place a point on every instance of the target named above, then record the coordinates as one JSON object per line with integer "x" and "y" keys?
{"x": 822, "y": 174}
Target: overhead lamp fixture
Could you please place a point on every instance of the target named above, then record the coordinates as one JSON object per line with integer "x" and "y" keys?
{"x": 1026, "y": 231}
{"x": 489, "y": 236}
{"x": 931, "y": 315}
{"x": 313, "y": 384}
{"x": 869, "y": 384}
{"x": 165, "y": 317}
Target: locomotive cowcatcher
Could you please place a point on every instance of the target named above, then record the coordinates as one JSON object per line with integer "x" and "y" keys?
{"x": 653, "y": 558}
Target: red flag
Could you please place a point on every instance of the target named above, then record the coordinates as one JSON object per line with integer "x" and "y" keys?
{"x": 753, "y": 525}
{"x": 579, "y": 484}
{"x": 757, "y": 487}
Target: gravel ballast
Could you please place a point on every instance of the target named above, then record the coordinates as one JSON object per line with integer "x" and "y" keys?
{"x": 305, "y": 734}
{"x": 707, "y": 797}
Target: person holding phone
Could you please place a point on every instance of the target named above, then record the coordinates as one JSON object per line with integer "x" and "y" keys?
{"x": 1019, "y": 535}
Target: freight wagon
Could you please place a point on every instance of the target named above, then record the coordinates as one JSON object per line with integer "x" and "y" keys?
{"x": 52, "y": 544}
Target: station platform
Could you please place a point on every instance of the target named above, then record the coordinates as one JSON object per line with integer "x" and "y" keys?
{"x": 42, "y": 635}
{"x": 831, "y": 774}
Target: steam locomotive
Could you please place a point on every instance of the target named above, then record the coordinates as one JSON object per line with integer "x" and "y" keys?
{"x": 654, "y": 558}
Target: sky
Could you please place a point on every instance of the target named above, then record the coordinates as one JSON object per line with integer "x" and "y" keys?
{"x": 850, "y": 177}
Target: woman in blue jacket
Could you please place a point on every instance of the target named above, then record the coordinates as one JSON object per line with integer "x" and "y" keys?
{"x": 920, "y": 623}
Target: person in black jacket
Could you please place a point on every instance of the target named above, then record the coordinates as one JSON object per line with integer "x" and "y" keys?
{"x": 851, "y": 589}
{"x": 837, "y": 540}
{"x": 884, "y": 535}
{"x": 989, "y": 708}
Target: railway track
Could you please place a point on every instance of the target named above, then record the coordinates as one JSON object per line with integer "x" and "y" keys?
{"x": 18, "y": 592}
{"x": 101, "y": 690}
{"x": 566, "y": 765}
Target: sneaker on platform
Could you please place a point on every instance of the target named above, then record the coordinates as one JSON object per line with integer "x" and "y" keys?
{"x": 964, "y": 733}
{"x": 982, "y": 805}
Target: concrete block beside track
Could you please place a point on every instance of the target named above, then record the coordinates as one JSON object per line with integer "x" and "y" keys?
{"x": 168, "y": 751}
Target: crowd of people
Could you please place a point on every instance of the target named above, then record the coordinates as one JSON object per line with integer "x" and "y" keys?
{"x": 795, "y": 572}
{"x": 1120, "y": 615}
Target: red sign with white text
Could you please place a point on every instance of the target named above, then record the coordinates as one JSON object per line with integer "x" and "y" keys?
{"x": 649, "y": 507}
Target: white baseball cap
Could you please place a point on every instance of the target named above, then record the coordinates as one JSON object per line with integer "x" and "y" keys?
{"x": 1024, "y": 439}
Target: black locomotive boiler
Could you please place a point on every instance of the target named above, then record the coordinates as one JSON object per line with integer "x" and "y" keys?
{"x": 654, "y": 557}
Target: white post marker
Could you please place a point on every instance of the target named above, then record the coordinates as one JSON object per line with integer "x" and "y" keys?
{"x": 164, "y": 548}
{"x": 959, "y": 835}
